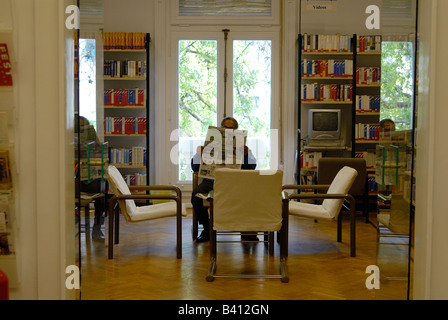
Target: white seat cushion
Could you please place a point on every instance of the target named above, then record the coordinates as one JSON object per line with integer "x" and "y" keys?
{"x": 309, "y": 210}
{"x": 156, "y": 211}
{"x": 141, "y": 213}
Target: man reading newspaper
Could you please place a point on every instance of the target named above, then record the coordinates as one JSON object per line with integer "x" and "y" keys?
{"x": 224, "y": 147}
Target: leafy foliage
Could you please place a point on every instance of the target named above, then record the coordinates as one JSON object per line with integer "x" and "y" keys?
{"x": 397, "y": 83}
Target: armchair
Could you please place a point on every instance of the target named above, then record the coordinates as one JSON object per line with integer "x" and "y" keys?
{"x": 123, "y": 201}
{"x": 248, "y": 201}
{"x": 333, "y": 199}
{"x": 327, "y": 168}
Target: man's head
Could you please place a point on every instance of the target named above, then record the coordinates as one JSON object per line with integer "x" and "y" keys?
{"x": 387, "y": 125}
{"x": 229, "y": 123}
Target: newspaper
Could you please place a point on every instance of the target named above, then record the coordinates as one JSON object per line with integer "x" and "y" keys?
{"x": 224, "y": 148}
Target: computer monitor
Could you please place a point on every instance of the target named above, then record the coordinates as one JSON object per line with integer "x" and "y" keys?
{"x": 324, "y": 124}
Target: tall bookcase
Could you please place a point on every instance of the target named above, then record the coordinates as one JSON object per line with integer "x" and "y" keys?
{"x": 367, "y": 103}
{"x": 127, "y": 103}
{"x": 326, "y": 81}
{"x": 339, "y": 72}
{"x": 8, "y": 176}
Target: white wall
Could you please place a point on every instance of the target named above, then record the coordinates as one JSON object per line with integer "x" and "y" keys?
{"x": 431, "y": 218}
{"x": 45, "y": 141}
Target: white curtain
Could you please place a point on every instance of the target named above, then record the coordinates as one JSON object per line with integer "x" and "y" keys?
{"x": 225, "y": 7}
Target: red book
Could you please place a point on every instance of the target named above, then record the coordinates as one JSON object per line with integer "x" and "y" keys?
{"x": 141, "y": 97}
{"x": 5, "y": 66}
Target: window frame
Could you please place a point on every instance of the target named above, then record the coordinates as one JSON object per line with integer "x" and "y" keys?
{"x": 173, "y": 88}
{"x": 176, "y": 19}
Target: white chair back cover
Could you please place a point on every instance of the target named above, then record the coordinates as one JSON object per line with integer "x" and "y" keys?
{"x": 341, "y": 184}
{"x": 119, "y": 186}
{"x": 247, "y": 200}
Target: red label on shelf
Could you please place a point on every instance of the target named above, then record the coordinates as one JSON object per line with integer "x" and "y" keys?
{"x": 5, "y": 66}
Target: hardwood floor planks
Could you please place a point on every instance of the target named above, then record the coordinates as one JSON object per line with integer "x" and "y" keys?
{"x": 145, "y": 265}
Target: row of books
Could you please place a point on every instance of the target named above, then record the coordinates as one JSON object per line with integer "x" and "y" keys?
{"x": 125, "y": 125}
{"x": 135, "y": 156}
{"x": 326, "y": 92}
{"x": 368, "y": 43}
{"x": 340, "y": 43}
{"x": 327, "y": 68}
{"x": 125, "y": 69}
{"x": 124, "y": 97}
{"x": 6, "y": 244}
{"x": 370, "y": 158}
{"x": 327, "y": 43}
{"x": 309, "y": 160}
{"x": 367, "y": 131}
{"x": 136, "y": 179}
{"x": 124, "y": 40}
{"x": 307, "y": 179}
{"x": 5, "y": 67}
{"x": 368, "y": 75}
{"x": 76, "y": 64}
{"x": 365, "y": 103}
{"x": 372, "y": 185}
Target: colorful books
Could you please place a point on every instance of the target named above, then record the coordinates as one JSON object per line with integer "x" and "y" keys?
{"x": 136, "y": 179}
{"x": 134, "y": 156}
{"x": 327, "y": 68}
{"x": 367, "y": 131}
{"x": 124, "y": 40}
{"x": 368, "y": 75}
{"x": 125, "y": 125}
{"x": 5, "y": 67}
{"x": 367, "y": 104}
{"x": 368, "y": 43}
{"x": 124, "y": 97}
{"x": 125, "y": 69}
{"x": 326, "y": 43}
{"x": 326, "y": 92}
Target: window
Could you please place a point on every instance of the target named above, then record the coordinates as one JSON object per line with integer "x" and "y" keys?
{"x": 397, "y": 79}
{"x": 87, "y": 80}
{"x": 197, "y": 97}
{"x": 204, "y": 98}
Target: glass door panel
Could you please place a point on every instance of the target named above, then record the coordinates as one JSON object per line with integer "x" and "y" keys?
{"x": 252, "y": 87}
{"x": 198, "y": 98}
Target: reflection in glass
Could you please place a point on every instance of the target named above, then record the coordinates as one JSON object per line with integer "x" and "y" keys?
{"x": 397, "y": 85}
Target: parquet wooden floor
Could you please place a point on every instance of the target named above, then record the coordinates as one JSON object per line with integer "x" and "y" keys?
{"x": 145, "y": 265}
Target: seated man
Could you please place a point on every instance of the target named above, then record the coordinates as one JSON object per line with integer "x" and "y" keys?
{"x": 87, "y": 134}
{"x": 206, "y": 185}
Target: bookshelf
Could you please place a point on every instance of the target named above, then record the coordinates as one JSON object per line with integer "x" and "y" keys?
{"x": 367, "y": 103}
{"x": 126, "y": 103}
{"x": 326, "y": 81}
{"x": 340, "y": 72}
{"x": 8, "y": 176}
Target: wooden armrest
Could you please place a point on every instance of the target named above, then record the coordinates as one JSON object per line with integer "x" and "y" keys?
{"x": 306, "y": 186}
{"x": 145, "y": 197}
{"x": 319, "y": 196}
{"x": 161, "y": 187}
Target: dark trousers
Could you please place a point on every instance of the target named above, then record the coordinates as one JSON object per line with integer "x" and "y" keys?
{"x": 198, "y": 204}
{"x": 101, "y": 204}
